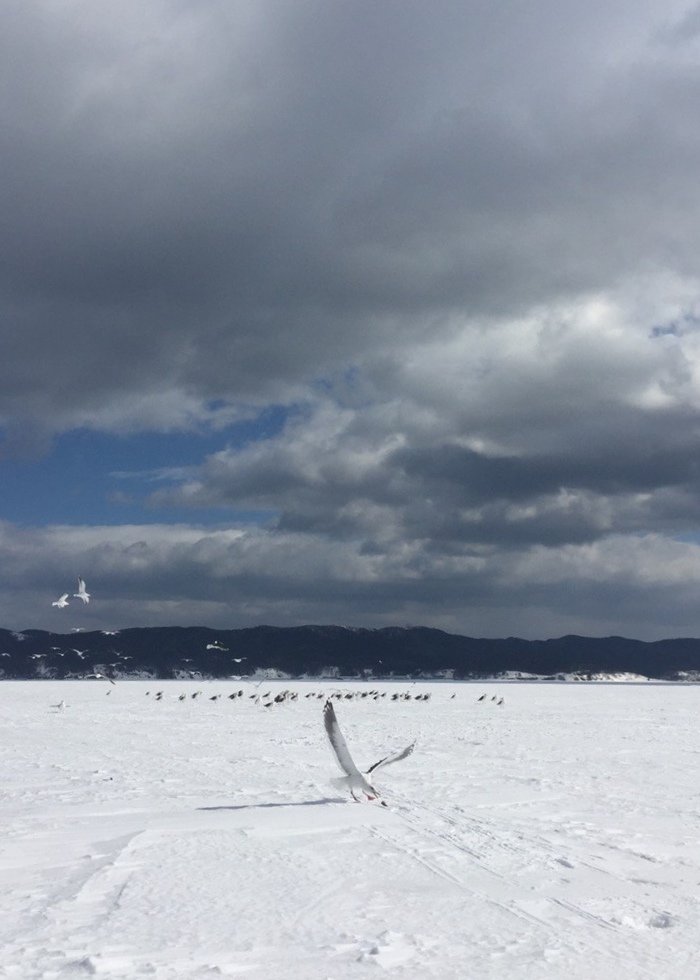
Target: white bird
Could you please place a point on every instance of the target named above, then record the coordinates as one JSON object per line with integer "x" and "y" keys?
{"x": 356, "y": 781}
{"x": 81, "y": 593}
{"x": 62, "y": 602}
{"x": 102, "y": 677}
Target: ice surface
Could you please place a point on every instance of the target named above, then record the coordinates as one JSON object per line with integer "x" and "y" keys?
{"x": 554, "y": 836}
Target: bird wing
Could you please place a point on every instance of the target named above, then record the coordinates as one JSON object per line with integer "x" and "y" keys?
{"x": 396, "y": 757}
{"x": 335, "y": 737}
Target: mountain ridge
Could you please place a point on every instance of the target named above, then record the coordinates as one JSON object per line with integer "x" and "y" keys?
{"x": 347, "y": 651}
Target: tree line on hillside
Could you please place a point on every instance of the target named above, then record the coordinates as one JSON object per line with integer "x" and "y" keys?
{"x": 167, "y": 652}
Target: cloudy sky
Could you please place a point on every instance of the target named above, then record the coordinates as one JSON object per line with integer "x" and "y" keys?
{"x": 360, "y": 313}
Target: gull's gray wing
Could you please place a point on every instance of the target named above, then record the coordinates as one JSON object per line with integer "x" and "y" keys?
{"x": 396, "y": 757}
{"x": 335, "y": 737}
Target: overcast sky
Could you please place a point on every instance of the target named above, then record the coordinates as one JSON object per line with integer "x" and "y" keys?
{"x": 365, "y": 313}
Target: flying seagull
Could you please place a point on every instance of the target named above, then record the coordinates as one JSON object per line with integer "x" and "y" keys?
{"x": 81, "y": 593}
{"x": 102, "y": 677}
{"x": 356, "y": 781}
{"x": 62, "y": 602}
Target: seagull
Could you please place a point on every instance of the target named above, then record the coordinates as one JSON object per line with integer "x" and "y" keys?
{"x": 102, "y": 677}
{"x": 356, "y": 781}
{"x": 62, "y": 602}
{"x": 81, "y": 593}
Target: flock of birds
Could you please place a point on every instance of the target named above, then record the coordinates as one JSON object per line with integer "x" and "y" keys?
{"x": 357, "y": 781}
{"x": 268, "y": 699}
{"x": 82, "y": 593}
{"x": 499, "y": 701}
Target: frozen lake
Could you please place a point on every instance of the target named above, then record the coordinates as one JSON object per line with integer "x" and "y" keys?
{"x": 555, "y": 836}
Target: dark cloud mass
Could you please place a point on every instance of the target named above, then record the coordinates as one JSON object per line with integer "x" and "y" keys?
{"x": 456, "y": 242}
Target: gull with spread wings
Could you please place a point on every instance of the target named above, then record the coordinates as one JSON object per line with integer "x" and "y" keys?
{"x": 359, "y": 783}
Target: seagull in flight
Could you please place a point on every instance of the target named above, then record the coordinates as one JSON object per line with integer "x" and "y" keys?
{"x": 102, "y": 677}
{"x": 356, "y": 781}
{"x": 62, "y": 602}
{"x": 82, "y": 593}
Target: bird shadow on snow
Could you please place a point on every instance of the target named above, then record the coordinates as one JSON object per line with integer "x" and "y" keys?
{"x": 269, "y": 806}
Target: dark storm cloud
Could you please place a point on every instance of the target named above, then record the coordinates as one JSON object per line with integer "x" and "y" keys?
{"x": 224, "y": 200}
{"x": 471, "y": 478}
{"x": 456, "y": 241}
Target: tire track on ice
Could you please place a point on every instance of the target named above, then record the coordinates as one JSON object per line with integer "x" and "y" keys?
{"x": 460, "y": 882}
{"x": 490, "y": 884}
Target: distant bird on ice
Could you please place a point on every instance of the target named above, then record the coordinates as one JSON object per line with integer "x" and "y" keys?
{"x": 82, "y": 593}
{"x": 356, "y": 781}
{"x": 62, "y": 602}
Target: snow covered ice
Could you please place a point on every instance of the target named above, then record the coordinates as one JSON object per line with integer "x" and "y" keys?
{"x": 555, "y": 836}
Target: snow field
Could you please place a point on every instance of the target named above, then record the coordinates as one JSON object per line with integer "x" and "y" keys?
{"x": 554, "y": 836}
